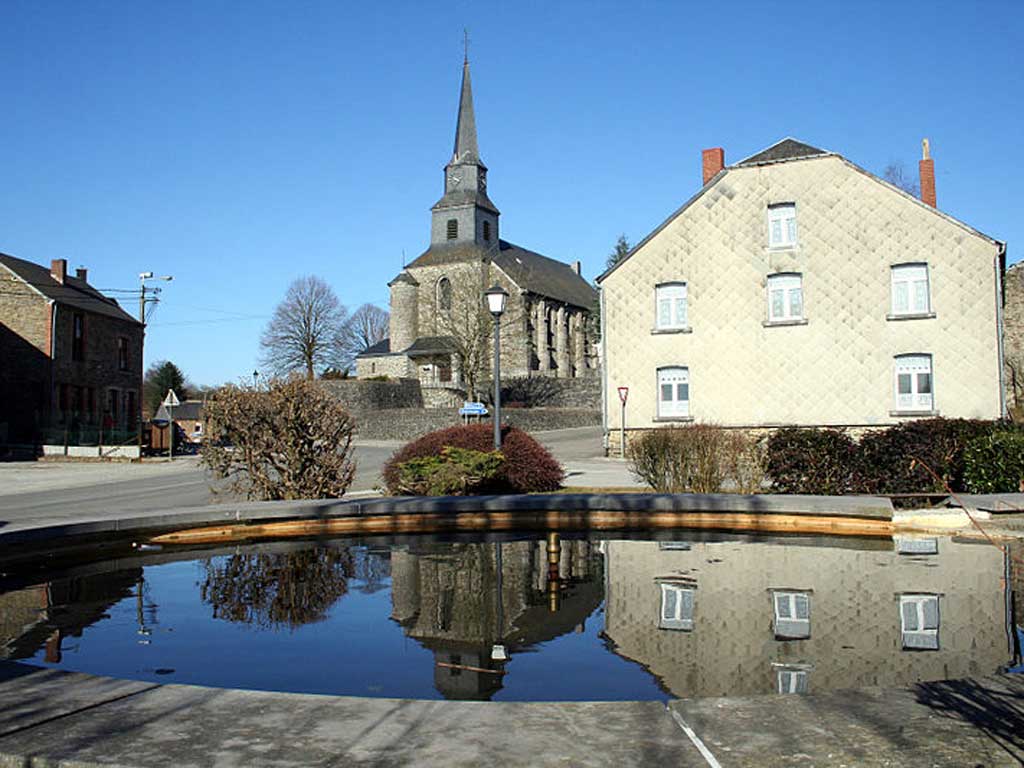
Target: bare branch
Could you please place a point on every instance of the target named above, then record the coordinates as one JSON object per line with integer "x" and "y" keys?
{"x": 306, "y": 331}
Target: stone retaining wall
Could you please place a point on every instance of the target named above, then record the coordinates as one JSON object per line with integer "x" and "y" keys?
{"x": 360, "y": 395}
{"x": 407, "y": 423}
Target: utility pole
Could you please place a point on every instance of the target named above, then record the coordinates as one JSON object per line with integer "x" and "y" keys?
{"x": 143, "y": 277}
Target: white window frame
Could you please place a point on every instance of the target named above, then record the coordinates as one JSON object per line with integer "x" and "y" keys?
{"x": 907, "y": 372}
{"x": 791, "y": 680}
{"x": 675, "y": 610}
{"x": 782, "y": 225}
{"x": 916, "y": 634}
{"x": 671, "y": 306}
{"x": 674, "y": 377}
{"x": 787, "y": 285}
{"x": 905, "y": 289}
{"x": 788, "y": 623}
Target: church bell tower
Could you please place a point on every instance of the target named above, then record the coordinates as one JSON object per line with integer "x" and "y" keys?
{"x": 465, "y": 215}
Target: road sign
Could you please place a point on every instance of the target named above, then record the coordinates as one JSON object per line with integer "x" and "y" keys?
{"x": 623, "y": 394}
{"x": 473, "y": 409}
{"x": 171, "y": 401}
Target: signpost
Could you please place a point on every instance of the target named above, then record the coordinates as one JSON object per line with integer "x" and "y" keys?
{"x": 623, "y": 395}
{"x": 472, "y": 409}
{"x": 171, "y": 401}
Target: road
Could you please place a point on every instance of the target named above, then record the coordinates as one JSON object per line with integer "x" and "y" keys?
{"x": 55, "y": 491}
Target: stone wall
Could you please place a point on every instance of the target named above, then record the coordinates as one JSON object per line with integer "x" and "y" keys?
{"x": 1013, "y": 335}
{"x": 367, "y": 396}
{"x": 392, "y": 366}
{"x": 408, "y": 423}
{"x": 24, "y": 350}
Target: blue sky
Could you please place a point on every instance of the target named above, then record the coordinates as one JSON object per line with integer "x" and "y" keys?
{"x": 239, "y": 145}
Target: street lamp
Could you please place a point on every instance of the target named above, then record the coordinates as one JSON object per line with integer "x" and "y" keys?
{"x": 143, "y": 277}
{"x": 255, "y": 379}
{"x": 496, "y": 297}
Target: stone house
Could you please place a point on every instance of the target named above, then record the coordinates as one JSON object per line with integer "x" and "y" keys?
{"x": 72, "y": 358}
{"x": 437, "y": 300}
{"x": 796, "y": 288}
{"x": 189, "y": 422}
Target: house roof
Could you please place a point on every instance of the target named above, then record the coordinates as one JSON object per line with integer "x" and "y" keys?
{"x": 382, "y": 347}
{"x": 787, "y": 149}
{"x": 528, "y": 270}
{"x": 73, "y": 292}
{"x": 783, "y": 151}
{"x": 189, "y": 410}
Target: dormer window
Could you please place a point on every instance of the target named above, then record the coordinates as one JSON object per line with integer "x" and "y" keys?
{"x": 782, "y": 225}
{"x": 453, "y": 229}
{"x": 487, "y": 231}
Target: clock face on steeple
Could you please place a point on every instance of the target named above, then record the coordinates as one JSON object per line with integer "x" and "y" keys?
{"x": 454, "y": 180}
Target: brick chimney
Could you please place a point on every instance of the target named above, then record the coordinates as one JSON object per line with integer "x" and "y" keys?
{"x": 59, "y": 270}
{"x": 927, "y": 170}
{"x": 713, "y": 161}
{"x": 82, "y": 274}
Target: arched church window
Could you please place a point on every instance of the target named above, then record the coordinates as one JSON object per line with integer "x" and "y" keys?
{"x": 444, "y": 293}
{"x": 453, "y": 229}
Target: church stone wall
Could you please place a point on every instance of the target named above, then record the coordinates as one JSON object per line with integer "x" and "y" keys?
{"x": 392, "y": 366}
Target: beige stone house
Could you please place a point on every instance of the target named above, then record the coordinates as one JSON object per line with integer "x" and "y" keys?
{"x": 438, "y": 326}
{"x": 796, "y": 288}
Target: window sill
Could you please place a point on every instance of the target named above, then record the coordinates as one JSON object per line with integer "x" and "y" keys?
{"x": 794, "y": 248}
{"x": 666, "y": 419}
{"x": 912, "y": 316}
{"x": 774, "y": 323}
{"x": 918, "y": 414}
{"x": 660, "y": 331}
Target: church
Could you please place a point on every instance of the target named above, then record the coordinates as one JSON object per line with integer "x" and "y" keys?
{"x": 440, "y": 331}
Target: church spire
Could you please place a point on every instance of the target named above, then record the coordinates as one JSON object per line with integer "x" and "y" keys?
{"x": 465, "y": 130}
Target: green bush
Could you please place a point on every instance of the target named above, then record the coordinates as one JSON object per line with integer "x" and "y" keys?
{"x": 814, "y": 461}
{"x": 995, "y": 463}
{"x": 456, "y": 472}
{"x": 698, "y": 458}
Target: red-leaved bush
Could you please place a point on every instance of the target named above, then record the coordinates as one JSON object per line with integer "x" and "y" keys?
{"x": 528, "y": 467}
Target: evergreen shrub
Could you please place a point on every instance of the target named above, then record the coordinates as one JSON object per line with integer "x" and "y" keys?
{"x": 995, "y": 463}
{"x": 813, "y": 461}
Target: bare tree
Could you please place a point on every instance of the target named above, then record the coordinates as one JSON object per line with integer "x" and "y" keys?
{"x": 896, "y": 174}
{"x": 364, "y": 328}
{"x": 306, "y": 331}
{"x": 469, "y": 328}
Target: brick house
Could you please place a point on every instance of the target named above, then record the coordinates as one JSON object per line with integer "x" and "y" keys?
{"x": 189, "y": 423}
{"x": 546, "y": 330}
{"x": 72, "y": 358}
{"x": 796, "y": 288}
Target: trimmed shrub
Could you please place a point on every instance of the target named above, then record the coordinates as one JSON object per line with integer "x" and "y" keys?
{"x": 995, "y": 463}
{"x": 690, "y": 459}
{"x": 890, "y": 460}
{"x": 746, "y": 462}
{"x": 456, "y": 472}
{"x": 528, "y": 467}
{"x": 814, "y": 461}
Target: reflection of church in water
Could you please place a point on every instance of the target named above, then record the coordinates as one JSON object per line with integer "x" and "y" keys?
{"x": 473, "y": 605}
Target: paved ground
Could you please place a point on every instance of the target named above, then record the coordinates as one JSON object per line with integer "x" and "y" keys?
{"x": 60, "y": 718}
{"x": 64, "y": 490}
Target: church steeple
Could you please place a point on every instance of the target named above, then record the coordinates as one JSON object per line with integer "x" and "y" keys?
{"x": 465, "y": 128}
{"x": 465, "y": 214}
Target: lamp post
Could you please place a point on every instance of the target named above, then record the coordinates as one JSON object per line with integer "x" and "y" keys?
{"x": 143, "y": 277}
{"x": 255, "y": 379}
{"x": 496, "y": 297}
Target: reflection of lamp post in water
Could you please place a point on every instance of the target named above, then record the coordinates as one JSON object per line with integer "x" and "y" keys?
{"x": 140, "y": 615}
{"x": 554, "y": 556}
{"x": 498, "y": 652}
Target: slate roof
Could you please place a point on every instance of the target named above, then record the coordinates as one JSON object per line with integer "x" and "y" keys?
{"x": 430, "y": 345}
{"x": 73, "y": 293}
{"x": 529, "y": 271}
{"x": 189, "y": 410}
{"x": 460, "y": 197}
{"x": 382, "y": 347}
{"x": 787, "y": 149}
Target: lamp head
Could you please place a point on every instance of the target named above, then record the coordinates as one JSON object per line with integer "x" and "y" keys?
{"x": 496, "y": 297}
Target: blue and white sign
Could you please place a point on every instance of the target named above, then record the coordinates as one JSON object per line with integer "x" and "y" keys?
{"x": 473, "y": 409}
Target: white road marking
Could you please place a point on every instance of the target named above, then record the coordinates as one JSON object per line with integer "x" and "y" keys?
{"x": 701, "y": 747}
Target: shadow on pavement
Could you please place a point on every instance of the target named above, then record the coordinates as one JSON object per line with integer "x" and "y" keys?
{"x": 997, "y": 710}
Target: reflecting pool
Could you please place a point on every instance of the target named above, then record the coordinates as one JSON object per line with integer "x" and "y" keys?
{"x": 524, "y": 618}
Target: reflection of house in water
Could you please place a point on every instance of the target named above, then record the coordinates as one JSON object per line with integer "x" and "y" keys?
{"x": 731, "y": 618}
{"x": 447, "y": 597}
{"x": 45, "y": 614}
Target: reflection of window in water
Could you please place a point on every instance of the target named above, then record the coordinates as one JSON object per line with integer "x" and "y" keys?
{"x": 919, "y": 617}
{"x": 681, "y": 545}
{"x": 792, "y": 615}
{"x": 908, "y": 545}
{"x": 676, "y": 607}
{"x": 790, "y": 680}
